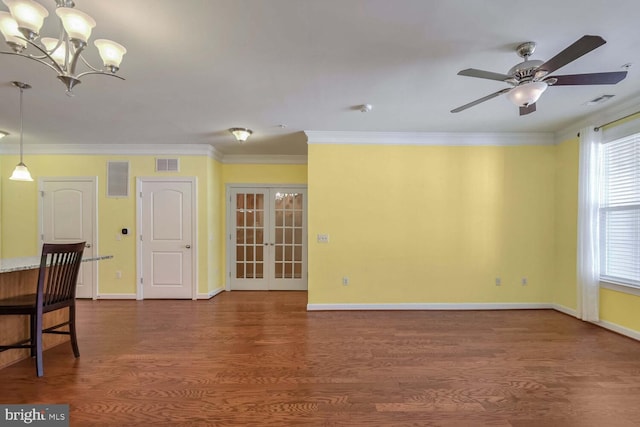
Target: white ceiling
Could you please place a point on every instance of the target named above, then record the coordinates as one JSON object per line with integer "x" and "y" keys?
{"x": 195, "y": 68}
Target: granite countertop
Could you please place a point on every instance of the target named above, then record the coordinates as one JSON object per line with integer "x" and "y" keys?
{"x": 8, "y": 265}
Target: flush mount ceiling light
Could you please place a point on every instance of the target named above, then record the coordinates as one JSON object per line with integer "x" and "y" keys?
{"x": 241, "y": 134}
{"x": 21, "y": 27}
{"x": 3, "y": 134}
{"x": 21, "y": 173}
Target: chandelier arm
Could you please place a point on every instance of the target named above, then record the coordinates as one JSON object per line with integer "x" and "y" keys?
{"x": 90, "y": 66}
{"x": 74, "y": 60}
{"x": 46, "y": 54}
{"x": 99, "y": 72}
{"x": 62, "y": 39}
{"x": 55, "y": 67}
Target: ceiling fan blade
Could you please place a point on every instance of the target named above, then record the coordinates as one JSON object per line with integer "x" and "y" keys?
{"x": 581, "y": 47}
{"x": 590, "y": 79}
{"x": 481, "y": 74}
{"x": 478, "y": 101}
{"x": 528, "y": 109}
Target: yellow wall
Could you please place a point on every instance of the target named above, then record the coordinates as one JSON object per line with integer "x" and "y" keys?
{"x": 20, "y": 208}
{"x": 264, "y": 174}
{"x": 215, "y": 221}
{"x": 564, "y": 287}
{"x": 430, "y": 223}
{"x": 620, "y": 308}
{"x": 406, "y": 223}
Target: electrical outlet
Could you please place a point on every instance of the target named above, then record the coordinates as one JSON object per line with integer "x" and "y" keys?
{"x": 323, "y": 238}
{"x": 498, "y": 281}
{"x": 345, "y": 281}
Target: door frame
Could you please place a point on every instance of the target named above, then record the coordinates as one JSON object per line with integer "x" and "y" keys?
{"x": 229, "y": 246}
{"x": 194, "y": 230}
{"x": 94, "y": 203}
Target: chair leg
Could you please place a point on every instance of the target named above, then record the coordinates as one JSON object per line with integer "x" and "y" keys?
{"x": 72, "y": 330}
{"x": 38, "y": 345}
{"x": 32, "y": 326}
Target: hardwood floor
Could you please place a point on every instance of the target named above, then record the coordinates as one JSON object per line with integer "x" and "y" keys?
{"x": 259, "y": 359}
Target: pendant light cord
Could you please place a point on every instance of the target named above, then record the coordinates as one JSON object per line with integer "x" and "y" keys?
{"x": 21, "y": 91}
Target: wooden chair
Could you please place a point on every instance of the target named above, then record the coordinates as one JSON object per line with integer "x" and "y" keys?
{"x": 56, "y": 289}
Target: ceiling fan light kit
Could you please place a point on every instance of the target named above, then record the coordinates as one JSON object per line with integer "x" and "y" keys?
{"x": 526, "y": 94}
{"x": 21, "y": 30}
{"x": 530, "y": 78}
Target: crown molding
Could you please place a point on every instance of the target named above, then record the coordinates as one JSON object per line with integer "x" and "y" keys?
{"x": 216, "y": 155}
{"x": 598, "y": 119}
{"x": 431, "y": 138}
{"x": 114, "y": 149}
{"x": 152, "y": 150}
{"x": 269, "y": 159}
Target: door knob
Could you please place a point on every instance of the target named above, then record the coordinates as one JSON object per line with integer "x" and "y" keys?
{"x": 87, "y": 245}
{"x": 188, "y": 246}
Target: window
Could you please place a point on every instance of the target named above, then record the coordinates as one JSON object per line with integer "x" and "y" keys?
{"x": 620, "y": 212}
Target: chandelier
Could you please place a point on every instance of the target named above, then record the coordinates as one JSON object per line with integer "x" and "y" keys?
{"x": 21, "y": 28}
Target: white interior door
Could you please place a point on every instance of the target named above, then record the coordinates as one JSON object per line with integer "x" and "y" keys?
{"x": 68, "y": 215}
{"x": 268, "y": 239}
{"x": 167, "y": 242}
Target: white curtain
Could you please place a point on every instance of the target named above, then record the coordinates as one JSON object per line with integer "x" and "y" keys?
{"x": 588, "y": 225}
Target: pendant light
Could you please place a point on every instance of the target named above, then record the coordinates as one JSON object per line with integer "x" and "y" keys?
{"x": 21, "y": 173}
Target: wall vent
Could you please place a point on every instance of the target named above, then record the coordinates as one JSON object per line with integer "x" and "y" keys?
{"x": 167, "y": 165}
{"x": 117, "y": 179}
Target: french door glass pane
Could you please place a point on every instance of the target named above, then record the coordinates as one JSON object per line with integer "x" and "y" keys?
{"x": 288, "y": 235}
{"x": 250, "y": 235}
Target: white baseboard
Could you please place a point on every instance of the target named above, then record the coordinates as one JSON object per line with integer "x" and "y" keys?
{"x": 116, "y": 296}
{"x": 565, "y": 310}
{"x": 430, "y": 306}
{"x": 211, "y": 294}
{"x": 602, "y": 323}
{"x": 619, "y": 329}
{"x": 472, "y": 306}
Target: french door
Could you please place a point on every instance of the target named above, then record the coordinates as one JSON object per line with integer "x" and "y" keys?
{"x": 268, "y": 238}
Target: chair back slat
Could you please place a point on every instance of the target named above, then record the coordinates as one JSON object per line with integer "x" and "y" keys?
{"x": 59, "y": 266}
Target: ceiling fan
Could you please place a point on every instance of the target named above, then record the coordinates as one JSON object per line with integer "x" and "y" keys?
{"x": 529, "y": 79}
